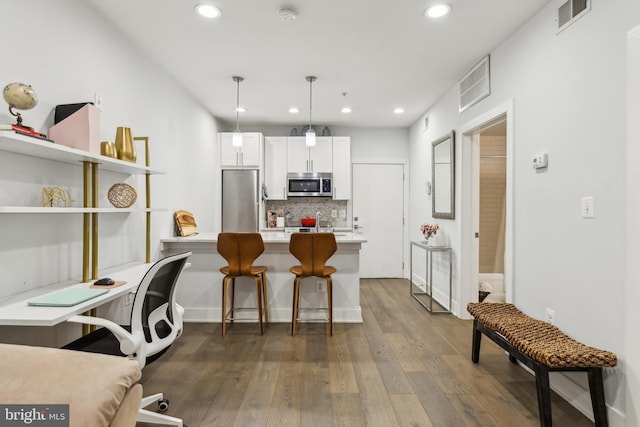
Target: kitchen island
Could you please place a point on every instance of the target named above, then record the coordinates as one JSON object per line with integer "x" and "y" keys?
{"x": 200, "y": 288}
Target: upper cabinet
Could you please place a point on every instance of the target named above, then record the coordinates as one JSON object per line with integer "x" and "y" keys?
{"x": 342, "y": 168}
{"x": 275, "y": 167}
{"x": 301, "y": 158}
{"x": 246, "y": 156}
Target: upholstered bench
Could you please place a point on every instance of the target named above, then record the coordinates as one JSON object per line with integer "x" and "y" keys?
{"x": 101, "y": 390}
{"x": 543, "y": 348}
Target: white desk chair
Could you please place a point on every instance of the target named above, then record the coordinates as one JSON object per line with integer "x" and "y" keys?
{"x": 156, "y": 322}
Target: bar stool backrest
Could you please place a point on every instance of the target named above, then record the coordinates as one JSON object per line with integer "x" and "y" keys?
{"x": 312, "y": 250}
{"x": 240, "y": 250}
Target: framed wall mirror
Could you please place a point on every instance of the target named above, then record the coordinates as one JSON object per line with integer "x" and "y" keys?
{"x": 443, "y": 167}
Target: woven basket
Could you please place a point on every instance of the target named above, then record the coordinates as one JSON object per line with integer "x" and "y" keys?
{"x": 122, "y": 195}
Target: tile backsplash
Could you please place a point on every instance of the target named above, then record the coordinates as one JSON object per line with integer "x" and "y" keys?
{"x": 296, "y": 208}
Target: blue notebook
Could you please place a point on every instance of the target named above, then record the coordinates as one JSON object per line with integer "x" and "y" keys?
{"x": 67, "y": 297}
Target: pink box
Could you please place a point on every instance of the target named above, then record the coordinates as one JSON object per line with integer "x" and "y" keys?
{"x": 80, "y": 130}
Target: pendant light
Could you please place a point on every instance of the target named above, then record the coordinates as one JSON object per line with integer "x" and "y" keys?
{"x": 311, "y": 134}
{"x": 236, "y": 140}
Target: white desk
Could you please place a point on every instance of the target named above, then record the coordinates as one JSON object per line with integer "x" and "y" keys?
{"x": 15, "y": 310}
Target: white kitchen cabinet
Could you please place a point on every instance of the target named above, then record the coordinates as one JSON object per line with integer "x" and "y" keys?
{"x": 342, "y": 168}
{"x": 301, "y": 158}
{"x": 275, "y": 167}
{"x": 246, "y": 156}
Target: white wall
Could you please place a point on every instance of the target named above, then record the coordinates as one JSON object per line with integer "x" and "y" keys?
{"x": 569, "y": 95}
{"x": 632, "y": 294}
{"x": 68, "y": 54}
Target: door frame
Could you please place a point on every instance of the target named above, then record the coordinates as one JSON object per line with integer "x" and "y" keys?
{"x": 469, "y": 188}
{"x": 405, "y": 204}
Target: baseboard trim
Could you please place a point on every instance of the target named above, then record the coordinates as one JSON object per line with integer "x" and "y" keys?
{"x": 214, "y": 315}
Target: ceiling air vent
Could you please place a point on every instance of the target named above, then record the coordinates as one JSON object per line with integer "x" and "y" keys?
{"x": 475, "y": 85}
{"x": 570, "y": 11}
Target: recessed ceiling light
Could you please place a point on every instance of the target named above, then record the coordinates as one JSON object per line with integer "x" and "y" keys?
{"x": 208, "y": 11}
{"x": 437, "y": 10}
{"x": 294, "y": 110}
{"x": 398, "y": 111}
{"x": 241, "y": 110}
{"x": 345, "y": 110}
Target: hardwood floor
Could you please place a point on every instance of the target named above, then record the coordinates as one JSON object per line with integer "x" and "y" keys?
{"x": 401, "y": 367}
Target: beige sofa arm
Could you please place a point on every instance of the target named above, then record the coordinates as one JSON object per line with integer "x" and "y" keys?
{"x": 95, "y": 386}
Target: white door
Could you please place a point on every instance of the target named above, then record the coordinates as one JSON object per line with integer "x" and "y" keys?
{"x": 378, "y": 210}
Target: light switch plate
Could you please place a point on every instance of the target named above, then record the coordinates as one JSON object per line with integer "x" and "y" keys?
{"x": 587, "y": 207}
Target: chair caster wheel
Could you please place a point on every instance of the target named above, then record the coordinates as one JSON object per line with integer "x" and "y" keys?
{"x": 163, "y": 405}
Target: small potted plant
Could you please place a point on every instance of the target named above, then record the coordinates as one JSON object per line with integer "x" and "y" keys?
{"x": 429, "y": 230}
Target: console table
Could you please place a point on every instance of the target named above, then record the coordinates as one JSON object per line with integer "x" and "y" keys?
{"x": 427, "y": 294}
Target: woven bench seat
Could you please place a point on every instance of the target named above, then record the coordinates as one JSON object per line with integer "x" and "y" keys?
{"x": 539, "y": 340}
{"x": 543, "y": 348}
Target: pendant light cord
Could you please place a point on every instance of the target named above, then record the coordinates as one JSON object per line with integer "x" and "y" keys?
{"x": 310, "y": 100}
{"x": 310, "y": 79}
{"x": 237, "y": 80}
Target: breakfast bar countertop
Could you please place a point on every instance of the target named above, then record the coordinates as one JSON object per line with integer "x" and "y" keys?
{"x": 267, "y": 236}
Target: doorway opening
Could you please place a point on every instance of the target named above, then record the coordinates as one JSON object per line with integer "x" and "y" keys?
{"x": 492, "y": 208}
{"x": 486, "y": 227}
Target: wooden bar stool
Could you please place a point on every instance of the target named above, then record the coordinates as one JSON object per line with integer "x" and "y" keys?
{"x": 312, "y": 250}
{"x": 241, "y": 250}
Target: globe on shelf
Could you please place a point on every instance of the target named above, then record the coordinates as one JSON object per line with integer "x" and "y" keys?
{"x": 19, "y": 96}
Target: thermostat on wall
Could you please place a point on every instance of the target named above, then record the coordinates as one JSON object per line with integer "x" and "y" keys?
{"x": 540, "y": 161}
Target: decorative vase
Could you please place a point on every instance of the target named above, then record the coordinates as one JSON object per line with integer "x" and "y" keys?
{"x": 124, "y": 145}
{"x": 108, "y": 149}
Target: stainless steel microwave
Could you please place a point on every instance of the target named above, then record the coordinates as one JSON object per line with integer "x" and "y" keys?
{"x": 309, "y": 184}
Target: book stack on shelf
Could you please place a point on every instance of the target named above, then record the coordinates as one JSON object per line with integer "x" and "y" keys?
{"x": 22, "y": 130}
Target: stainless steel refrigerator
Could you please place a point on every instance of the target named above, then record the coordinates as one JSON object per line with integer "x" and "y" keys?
{"x": 240, "y": 200}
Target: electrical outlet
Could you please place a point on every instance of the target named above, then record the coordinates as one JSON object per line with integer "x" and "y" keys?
{"x": 540, "y": 161}
{"x": 334, "y": 213}
{"x": 550, "y": 316}
{"x": 97, "y": 101}
{"x": 129, "y": 298}
{"x": 319, "y": 284}
{"x": 343, "y": 213}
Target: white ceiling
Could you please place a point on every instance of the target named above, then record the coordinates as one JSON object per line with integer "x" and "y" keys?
{"x": 382, "y": 54}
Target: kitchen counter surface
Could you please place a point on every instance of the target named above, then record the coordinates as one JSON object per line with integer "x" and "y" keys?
{"x": 267, "y": 236}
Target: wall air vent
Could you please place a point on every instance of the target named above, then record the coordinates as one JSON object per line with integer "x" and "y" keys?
{"x": 475, "y": 85}
{"x": 570, "y": 11}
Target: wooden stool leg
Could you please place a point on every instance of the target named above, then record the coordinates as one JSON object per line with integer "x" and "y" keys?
{"x": 224, "y": 305}
{"x": 596, "y": 387}
{"x": 259, "y": 298}
{"x": 294, "y": 315}
{"x": 544, "y": 395}
{"x": 264, "y": 298}
{"x": 233, "y": 298}
{"x": 330, "y": 303}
